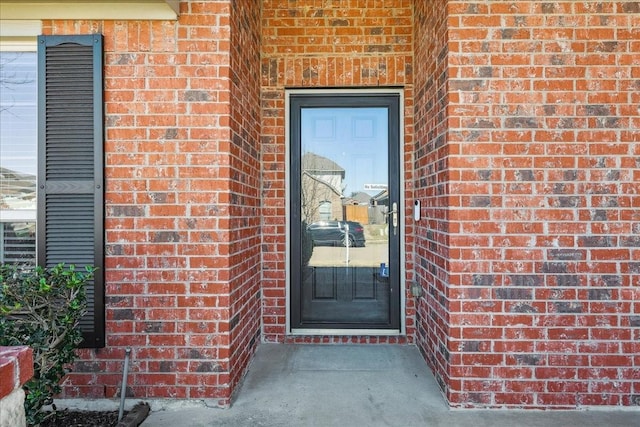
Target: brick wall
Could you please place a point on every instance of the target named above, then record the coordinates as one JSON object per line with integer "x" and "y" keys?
{"x": 182, "y": 210}
{"x": 524, "y": 156}
{"x": 543, "y": 193}
{"x": 311, "y": 44}
{"x": 245, "y": 204}
{"x": 431, "y": 183}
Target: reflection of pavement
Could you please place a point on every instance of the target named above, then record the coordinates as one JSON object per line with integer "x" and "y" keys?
{"x": 370, "y": 256}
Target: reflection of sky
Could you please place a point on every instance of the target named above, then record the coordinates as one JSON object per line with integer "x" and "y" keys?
{"x": 354, "y": 138}
{"x": 18, "y": 111}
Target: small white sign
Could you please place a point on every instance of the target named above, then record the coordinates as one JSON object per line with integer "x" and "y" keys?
{"x": 375, "y": 186}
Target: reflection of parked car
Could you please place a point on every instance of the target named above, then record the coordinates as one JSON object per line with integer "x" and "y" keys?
{"x": 332, "y": 233}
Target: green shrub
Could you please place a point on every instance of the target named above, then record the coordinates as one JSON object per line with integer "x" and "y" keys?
{"x": 41, "y": 308}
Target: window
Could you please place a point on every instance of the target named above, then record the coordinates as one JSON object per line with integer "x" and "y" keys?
{"x": 51, "y": 182}
{"x": 18, "y": 156}
{"x": 325, "y": 210}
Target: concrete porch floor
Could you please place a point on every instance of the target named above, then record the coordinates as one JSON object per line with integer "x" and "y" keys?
{"x": 351, "y": 385}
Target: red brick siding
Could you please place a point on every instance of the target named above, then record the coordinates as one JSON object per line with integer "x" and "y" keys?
{"x": 543, "y": 189}
{"x": 181, "y": 206}
{"x": 16, "y": 368}
{"x": 431, "y": 183}
{"x": 245, "y": 205}
{"x": 524, "y": 156}
{"x": 351, "y": 43}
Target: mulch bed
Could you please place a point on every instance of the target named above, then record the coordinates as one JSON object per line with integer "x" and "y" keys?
{"x": 75, "y": 418}
{"x": 69, "y": 418}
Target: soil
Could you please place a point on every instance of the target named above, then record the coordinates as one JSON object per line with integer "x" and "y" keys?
{"x": 76, "y": 418}
{"x": 68, "y": 418}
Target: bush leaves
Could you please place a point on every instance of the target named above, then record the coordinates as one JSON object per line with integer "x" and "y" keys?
{"x": 41, "y": 308}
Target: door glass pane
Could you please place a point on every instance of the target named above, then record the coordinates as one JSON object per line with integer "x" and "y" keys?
{"x": 344, "y": 176}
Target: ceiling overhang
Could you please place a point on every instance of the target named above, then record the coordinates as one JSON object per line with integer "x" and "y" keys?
{"x": 90, "y": 9}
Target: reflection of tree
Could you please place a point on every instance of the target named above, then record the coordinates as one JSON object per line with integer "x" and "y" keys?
{"x": 9, "y": 80}
{"x": 314, "y": 192}
{"x": 321, "y": 181}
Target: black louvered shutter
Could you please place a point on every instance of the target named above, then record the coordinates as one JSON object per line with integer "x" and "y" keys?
{"x": 70, "y": 164}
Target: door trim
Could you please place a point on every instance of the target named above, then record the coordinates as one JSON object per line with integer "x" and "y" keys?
{"x": 402, "y": 270}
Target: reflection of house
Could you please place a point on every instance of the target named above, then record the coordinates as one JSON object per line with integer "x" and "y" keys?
{"x": 381, "y": 199}
{"x": 359, "y": 198}
{"x": 322, "y": 184}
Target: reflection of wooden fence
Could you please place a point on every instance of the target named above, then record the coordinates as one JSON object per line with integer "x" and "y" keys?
{"x": 358, "y": 213}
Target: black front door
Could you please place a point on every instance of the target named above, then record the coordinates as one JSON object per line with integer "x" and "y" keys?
{"x": 345, "y": 211}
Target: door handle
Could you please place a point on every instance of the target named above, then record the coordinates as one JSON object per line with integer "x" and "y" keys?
{"x": 394, "y": 217}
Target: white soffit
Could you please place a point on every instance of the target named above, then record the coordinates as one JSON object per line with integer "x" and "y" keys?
{"x": 90, "y": 9}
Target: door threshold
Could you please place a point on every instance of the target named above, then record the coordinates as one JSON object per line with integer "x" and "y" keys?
{"x": 346, "y": 332}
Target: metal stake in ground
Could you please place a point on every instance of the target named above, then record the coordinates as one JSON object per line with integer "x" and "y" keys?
{"x": 123, "y": 389}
